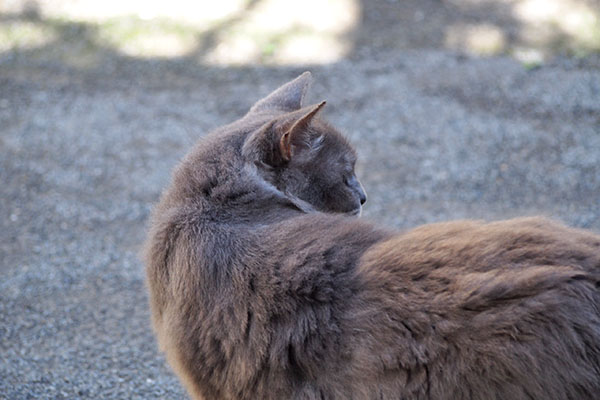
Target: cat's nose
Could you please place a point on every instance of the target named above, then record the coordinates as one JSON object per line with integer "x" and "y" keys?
{"x": 363, "y": 197}
{"x": 358, "y": 188}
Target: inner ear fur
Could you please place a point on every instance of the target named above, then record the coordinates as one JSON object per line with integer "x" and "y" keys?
{"x": 282, "y": 138}
{"x": 297, "y": 135}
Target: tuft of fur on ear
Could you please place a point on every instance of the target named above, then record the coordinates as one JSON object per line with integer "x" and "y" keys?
{"x": 282, "y": 138}
{"x": 288, "y": 97}
{"x": 297, "y": 135}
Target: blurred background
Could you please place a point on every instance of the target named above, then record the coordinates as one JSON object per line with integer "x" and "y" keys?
{"x": 458, "y": 108}
{"x": 83, "y": 33}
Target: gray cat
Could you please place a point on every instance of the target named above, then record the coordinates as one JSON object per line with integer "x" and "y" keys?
{"x": 264, "y": 286}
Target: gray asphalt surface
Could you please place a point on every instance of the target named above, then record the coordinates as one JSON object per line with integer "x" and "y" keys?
{"x": 85, "y": 153}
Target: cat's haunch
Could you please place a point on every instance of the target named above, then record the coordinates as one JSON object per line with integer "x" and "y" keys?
{"x": 263, "y": 284}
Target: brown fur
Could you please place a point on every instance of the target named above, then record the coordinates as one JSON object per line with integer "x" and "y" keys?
{"x": 263, "y": 287}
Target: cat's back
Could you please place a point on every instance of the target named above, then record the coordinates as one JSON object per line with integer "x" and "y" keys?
{"x": 477, "y": 246}
{"x": 499, "y": 307}
{"x": 476, "y": 266}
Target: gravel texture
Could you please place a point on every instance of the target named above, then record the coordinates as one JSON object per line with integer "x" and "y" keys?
{"x": 84, "y": 153}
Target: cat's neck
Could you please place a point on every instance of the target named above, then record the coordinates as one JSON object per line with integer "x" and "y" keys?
{"x": 226, "y": 188}
{"x": 244, "y": 198}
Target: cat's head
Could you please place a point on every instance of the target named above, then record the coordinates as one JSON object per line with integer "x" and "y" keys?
{"x": 301, "y": 155}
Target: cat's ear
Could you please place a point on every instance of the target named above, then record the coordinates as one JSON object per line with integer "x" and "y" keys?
{"x": 287, "y": 98}
{"x": 297, "y": 137}
{"x": 283, "y": 138}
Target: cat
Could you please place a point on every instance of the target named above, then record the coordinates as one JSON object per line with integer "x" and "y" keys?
{"x": 265, "y": 285}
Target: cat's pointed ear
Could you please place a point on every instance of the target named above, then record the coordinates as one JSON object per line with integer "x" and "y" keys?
{"x": 283, "y": 138}
{"x": 297, "y": 135}
{"x": 288, "y": 97}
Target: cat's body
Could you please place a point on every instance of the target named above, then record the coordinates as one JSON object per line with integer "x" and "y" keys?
{"x": 260, "y": 291}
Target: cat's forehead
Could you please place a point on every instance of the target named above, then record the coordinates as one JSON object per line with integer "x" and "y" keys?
{"x": 338, "y": 143}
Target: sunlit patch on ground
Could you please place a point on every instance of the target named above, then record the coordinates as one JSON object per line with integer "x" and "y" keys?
{"x": 216, "y": 32}
{"x": 557, "y": 21}
{"x": 138, "y": 37}
{"x": 281, "y": 32}
{"x": 16, "y": 34}
{"x": 185, "y": 11}
{"x": 482, "y": 38}
{"x": 530, "y": 30}
{"x": 284, "y": 32}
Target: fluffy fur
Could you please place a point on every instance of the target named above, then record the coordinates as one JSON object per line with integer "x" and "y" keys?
{"x": 263, "y": 285}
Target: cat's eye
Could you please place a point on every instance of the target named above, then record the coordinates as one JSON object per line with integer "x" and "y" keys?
{"x": 349, "y": 179}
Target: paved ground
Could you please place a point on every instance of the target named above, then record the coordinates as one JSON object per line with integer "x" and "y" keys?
{"x": 85, "y": 152}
